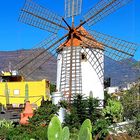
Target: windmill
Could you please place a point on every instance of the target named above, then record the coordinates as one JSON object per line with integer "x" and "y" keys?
{"x": 80, "y": 52}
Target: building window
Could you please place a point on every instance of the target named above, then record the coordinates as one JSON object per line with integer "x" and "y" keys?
{"x": 16, "y": 92}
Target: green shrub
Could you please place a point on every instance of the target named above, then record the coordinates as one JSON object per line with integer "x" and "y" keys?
{"x": 80, "y": 109}
{"x": 44, "y": 113}
{"x": 27, "y": 132}
{"x": 101, "y": 128}
{"x": 6, "y": 124}
{"x": 134, "y": 128}
{"x": 3, "y": 133}
{"x": 113, "y": 111}
{"x": 130, "y": 103}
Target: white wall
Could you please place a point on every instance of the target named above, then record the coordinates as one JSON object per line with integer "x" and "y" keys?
{"x": 90, "y": 80}
{"x": 111, "y": 90}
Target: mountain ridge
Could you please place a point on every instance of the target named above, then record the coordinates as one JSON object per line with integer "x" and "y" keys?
{"x": 120, "y": 73}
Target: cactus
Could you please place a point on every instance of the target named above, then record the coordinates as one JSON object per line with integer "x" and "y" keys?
{"x": 86, "y": 123}
{"x": 6, "y": 93}
{"x": 85, "y": 130}
{"x": 54, "y": 129}
{"x": 86, "y": 135}
{"x": 65, "y": 133}
{"x": 26, "y": 92}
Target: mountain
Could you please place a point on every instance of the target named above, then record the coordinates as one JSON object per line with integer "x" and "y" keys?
{"x": 120, "y": 73}
{"x": 8, "y": 59}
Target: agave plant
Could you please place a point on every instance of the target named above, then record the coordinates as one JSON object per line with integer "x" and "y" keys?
{"x": 56, "y": 132}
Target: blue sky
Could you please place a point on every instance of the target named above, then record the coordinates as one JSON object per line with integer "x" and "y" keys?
{"x": 14, "y": 35}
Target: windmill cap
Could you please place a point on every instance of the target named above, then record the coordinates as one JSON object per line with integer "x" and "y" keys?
{"x": 80, "y": 38}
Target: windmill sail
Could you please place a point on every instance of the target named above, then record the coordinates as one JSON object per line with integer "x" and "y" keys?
{"x": 72, "y": 7}
{"x": 101, "y": 10}
{"x": 40, "y": 17}
{"x": 49, "y": 58}
{"x": 36, "y": 51}
{"x": 115, "y": 48}
{"x": 39, "y": 56}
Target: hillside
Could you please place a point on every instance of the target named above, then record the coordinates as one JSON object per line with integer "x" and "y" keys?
{"x": 120, "y": 73}
{"x": 8, "y": 59}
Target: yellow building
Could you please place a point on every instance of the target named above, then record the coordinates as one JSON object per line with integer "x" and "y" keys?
{"x": 15, "y": 91}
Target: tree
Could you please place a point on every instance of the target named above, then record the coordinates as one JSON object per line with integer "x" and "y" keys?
{"x": 80, "y": 109}
{"x": 77, "y": 112}
{"x": 43, "y": 114}
{"x": 52, "y": 88}
{"x": 131, "y": 102}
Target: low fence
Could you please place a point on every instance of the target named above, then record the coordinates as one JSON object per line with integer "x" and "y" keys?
{"x": 120, "y": 127}
{"x": 17, "y": 101}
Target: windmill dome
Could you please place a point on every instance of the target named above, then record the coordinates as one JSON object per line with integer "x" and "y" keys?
{"x": 79, "y": 37}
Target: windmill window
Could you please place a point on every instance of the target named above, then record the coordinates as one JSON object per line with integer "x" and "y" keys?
{"x": 83, "y": 56}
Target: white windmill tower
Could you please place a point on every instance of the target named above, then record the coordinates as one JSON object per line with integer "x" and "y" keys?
{"x": 81, "y": 55}
{"x": 83, "y": 63}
